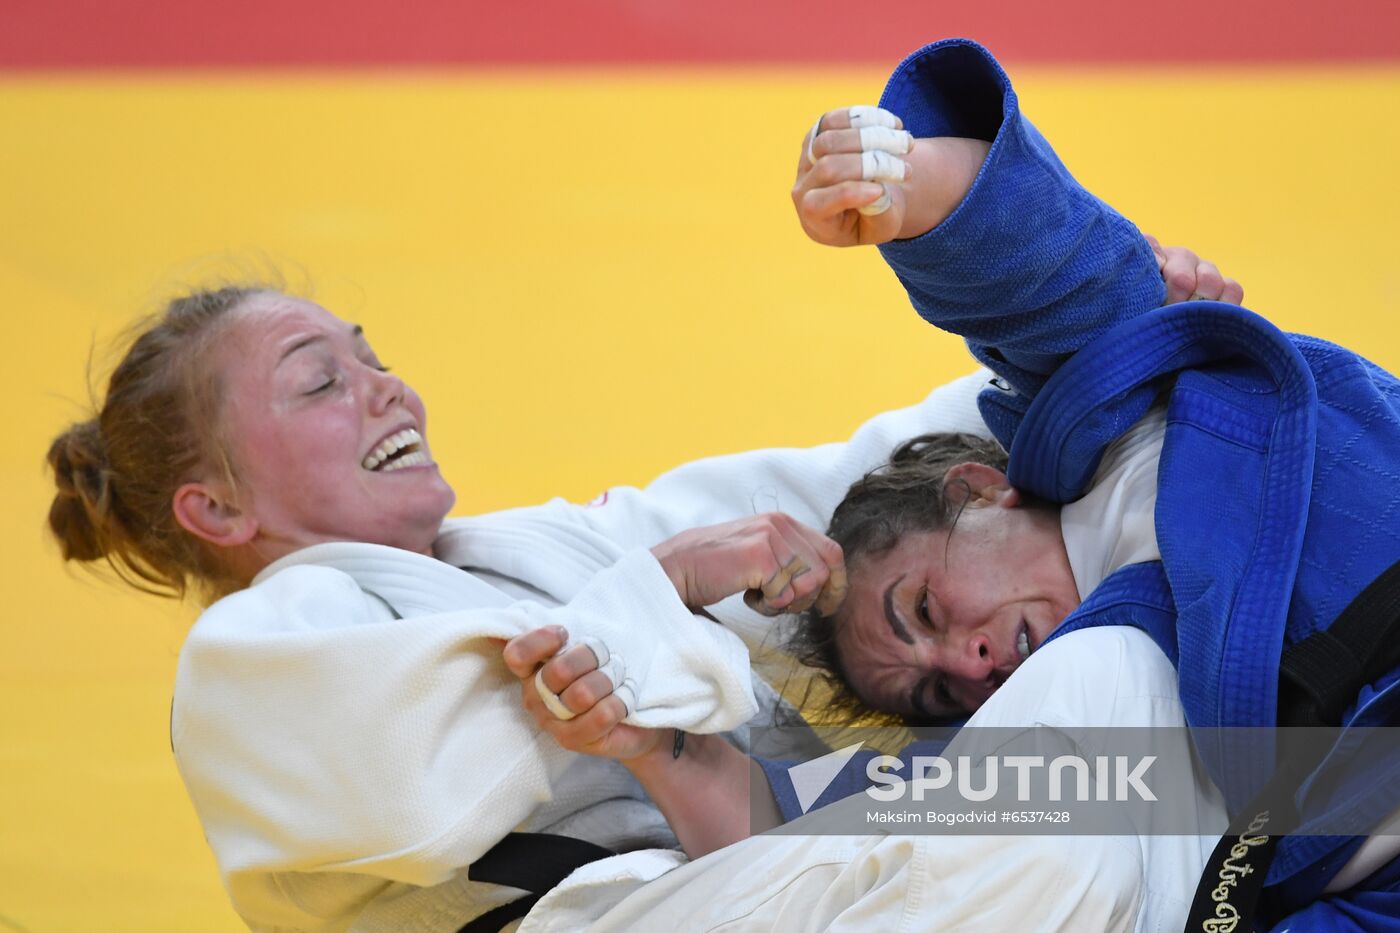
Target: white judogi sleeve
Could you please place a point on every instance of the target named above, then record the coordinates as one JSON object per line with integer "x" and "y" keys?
{"x": 332, "y": 750}
{"x": 805, "y": 483}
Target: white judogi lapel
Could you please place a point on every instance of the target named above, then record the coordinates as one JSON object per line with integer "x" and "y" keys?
{"x": 669, "y": 667}
{"x": 413, "y": 584}
{"x": 557, "y": 557}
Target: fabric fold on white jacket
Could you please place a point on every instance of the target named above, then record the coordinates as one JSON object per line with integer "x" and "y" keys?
{"x": 348, "y": 766}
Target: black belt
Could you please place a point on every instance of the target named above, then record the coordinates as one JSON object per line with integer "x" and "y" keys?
{"x": 1319, "y": 678}
{"x": 533, "y": 862}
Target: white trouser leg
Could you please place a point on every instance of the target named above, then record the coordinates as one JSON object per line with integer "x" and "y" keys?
{"x": 915, "y": 883}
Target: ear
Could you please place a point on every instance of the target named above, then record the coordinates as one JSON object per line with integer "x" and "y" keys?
{"x": 981, "y": 485}
{"x": 206, "y": 511}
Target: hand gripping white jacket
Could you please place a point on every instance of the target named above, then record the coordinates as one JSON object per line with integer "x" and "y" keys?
{"x": 348, "y": 764}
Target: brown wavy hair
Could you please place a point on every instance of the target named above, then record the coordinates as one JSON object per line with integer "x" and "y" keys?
{"x": 908, "y": 494}
{"x": 153, "y": 429}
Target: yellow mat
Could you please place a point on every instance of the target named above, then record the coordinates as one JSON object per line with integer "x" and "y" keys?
{"x": 589, "y": 277}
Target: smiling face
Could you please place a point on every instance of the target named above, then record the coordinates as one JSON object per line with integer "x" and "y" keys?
{"x": 933, "y": 626}
{"x": 326, "y": 444}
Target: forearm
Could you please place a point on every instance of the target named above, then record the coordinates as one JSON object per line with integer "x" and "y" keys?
{"x": 942, "y": 171}
{"x": 712, "y": 794}
{"x": 1028, "y": 266}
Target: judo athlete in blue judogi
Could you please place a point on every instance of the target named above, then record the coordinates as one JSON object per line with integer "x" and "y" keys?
{"x": 1273, "y": 461}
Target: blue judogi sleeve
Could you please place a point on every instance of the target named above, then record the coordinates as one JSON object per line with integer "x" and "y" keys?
{"x": 1031, "y": 266}
{"x": 1374, "y": 906}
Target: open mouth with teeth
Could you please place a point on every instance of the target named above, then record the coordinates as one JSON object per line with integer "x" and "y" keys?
{"x": 397, "y": 451}
{"x": 1023, "y": 642}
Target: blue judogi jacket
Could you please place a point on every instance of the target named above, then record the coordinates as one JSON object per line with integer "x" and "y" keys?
{"x": 1279, "y": 481}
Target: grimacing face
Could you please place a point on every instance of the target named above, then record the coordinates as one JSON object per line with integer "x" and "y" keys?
{"x": 326, "y": 443}
{"x": 933, "y": 626}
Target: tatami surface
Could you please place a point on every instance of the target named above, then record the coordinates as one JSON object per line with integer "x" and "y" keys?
{"x": 589, "y": 275}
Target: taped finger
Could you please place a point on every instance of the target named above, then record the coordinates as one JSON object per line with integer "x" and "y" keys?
{"x": 865, "y": 115}
{"x": 879, "y": 205}
{"x": 755, "y": 601}
{"x": 825, "y": 559}
{"x": 881, "y": 166}
{"x": 884, "y": 139}
{"x": 551, "y": 699}
{"x": 859, "y": 117}
{"x": 812, "y": 138}
{"x": 833, "y": 594}
{"x": 780, "y": 581}
{"x": 600, "y": 650}
{"x": 608, "y": 664}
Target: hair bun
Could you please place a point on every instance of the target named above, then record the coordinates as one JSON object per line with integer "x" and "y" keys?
{"x": 117, "y": 474}
{"x": 82, "y": 508}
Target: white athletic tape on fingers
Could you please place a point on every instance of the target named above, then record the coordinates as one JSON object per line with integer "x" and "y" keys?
{"x": 881, "y": 166}
{"x": 600, "y": 650}
{"x": 877, "y": 206}
{"x": 614, "y": 672}
{"x": 812, "y": 137}
{"x": 863, "y": 115}
{"x": 612, "y": 667}
{"x": 884, "y": 139}
{"x": 627, "y": 693}
{"x": 551, "y": 699}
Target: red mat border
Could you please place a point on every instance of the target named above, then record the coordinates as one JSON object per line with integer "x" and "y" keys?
{"x": 61, "y": 34}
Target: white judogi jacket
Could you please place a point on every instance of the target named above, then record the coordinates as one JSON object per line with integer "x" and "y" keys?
{"x": 348, "y": 765}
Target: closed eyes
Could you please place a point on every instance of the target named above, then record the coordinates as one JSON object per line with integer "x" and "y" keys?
{"x": 941, "y": 697}
{"x": 942, "y": 694}
{"x": 325, "y": 386}
{"x": 332, "y": 381}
